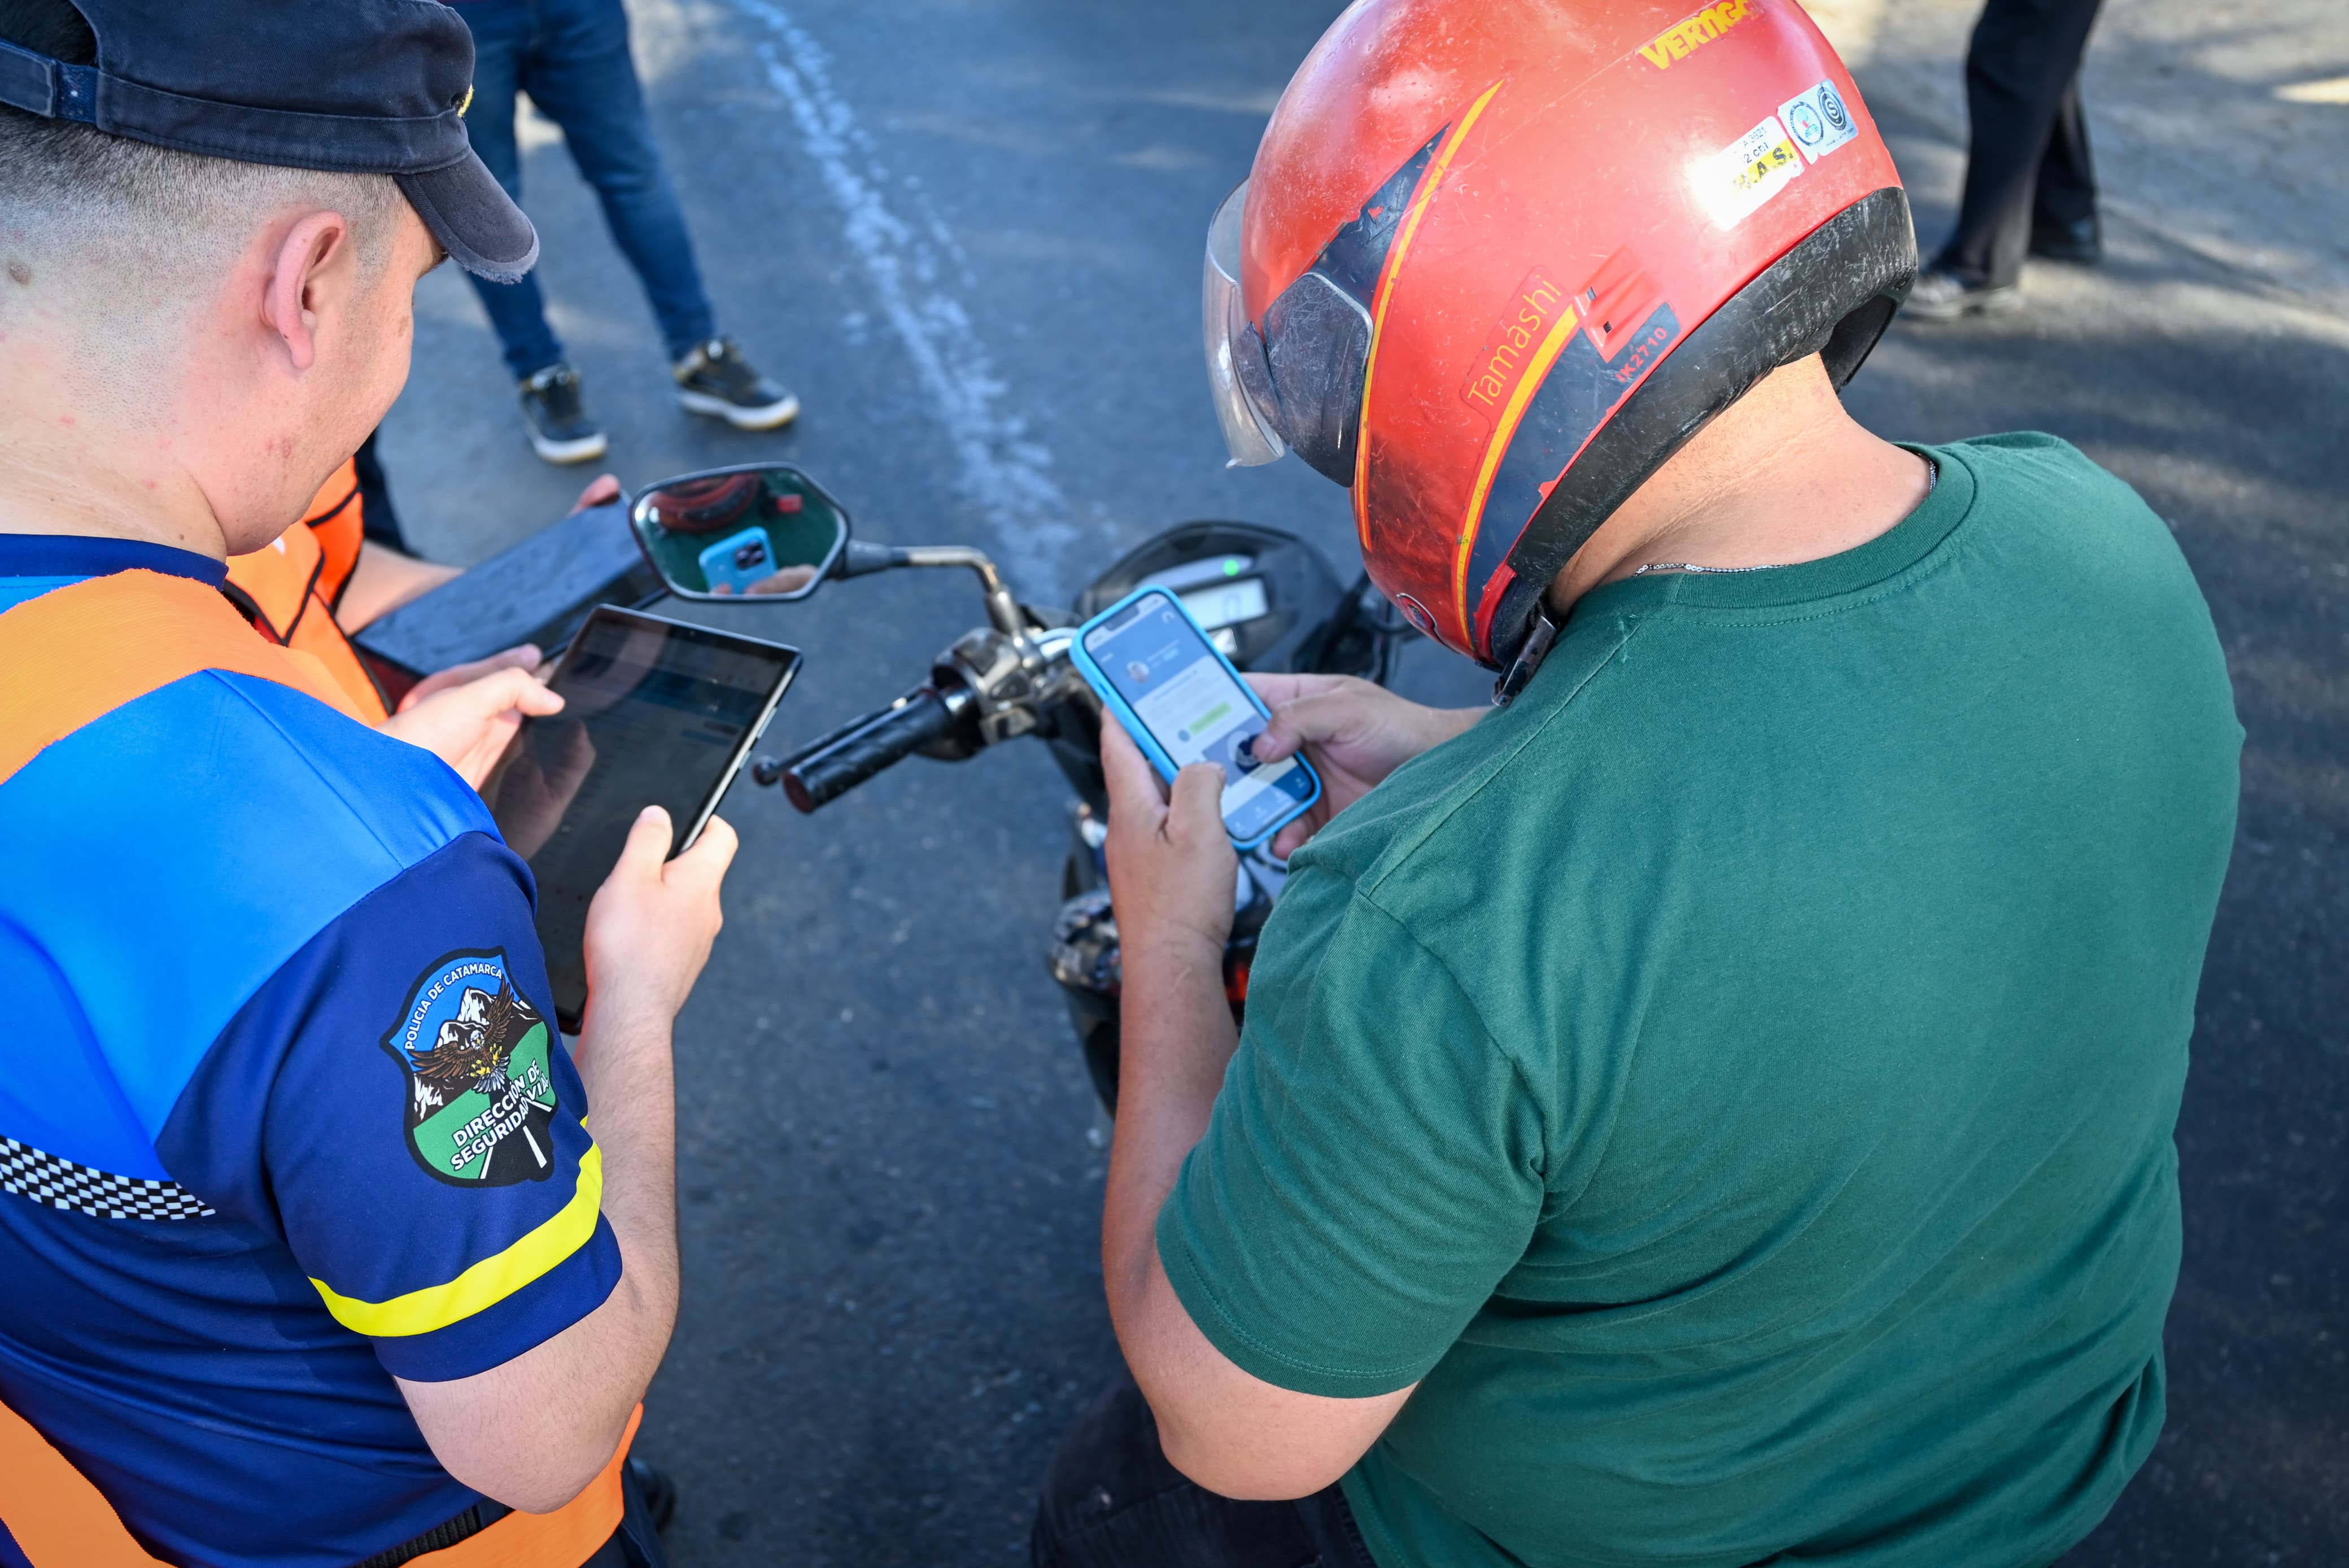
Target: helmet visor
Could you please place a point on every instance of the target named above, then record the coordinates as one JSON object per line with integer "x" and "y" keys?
{"x": 1249, "y": 432}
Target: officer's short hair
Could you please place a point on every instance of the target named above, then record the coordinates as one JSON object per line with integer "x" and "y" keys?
{"x": 61, "y": 181}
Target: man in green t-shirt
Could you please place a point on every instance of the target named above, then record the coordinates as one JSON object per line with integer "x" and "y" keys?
{"x": 1717, "y": 1107}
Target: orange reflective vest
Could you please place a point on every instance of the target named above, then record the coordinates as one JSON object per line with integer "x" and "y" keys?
{"x": 74, "y": 655}
{"x": 289, "y": 587}
{"x": 60, "y": 1521}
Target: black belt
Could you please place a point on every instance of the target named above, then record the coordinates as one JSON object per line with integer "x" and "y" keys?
{"x": 465, "y": 1526}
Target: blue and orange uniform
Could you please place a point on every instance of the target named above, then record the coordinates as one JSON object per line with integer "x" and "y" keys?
{"x": 283, "y": 1114}
{"x": 290, "y": 588}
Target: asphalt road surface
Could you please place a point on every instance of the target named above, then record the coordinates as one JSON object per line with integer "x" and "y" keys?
{"x": 969, "y": 234}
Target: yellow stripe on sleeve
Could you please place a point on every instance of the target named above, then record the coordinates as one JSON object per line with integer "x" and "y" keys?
{"x": 487, "y": 1283}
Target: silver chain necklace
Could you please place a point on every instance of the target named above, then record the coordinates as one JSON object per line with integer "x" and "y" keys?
{"x": 1690, "y": 566}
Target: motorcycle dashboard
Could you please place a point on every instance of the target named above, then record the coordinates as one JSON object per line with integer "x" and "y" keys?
{"x": 1223, "y": 594}
{"x": 1258, "y": 592}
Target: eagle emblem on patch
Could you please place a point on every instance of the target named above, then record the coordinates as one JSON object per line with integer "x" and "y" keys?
{"x": 480, "y": 1089}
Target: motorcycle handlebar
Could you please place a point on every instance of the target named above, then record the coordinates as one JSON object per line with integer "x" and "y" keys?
{"x": 847, "y": 757}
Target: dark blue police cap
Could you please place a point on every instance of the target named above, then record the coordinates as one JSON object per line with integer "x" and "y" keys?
{"x": 354, "y": 86}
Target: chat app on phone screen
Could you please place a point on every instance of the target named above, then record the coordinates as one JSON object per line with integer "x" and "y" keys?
{"x": 1157, "y": 661}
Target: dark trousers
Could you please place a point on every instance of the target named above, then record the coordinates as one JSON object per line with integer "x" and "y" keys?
{"x": 2028, "y": 166}
{"x": 572, "y": 58}
{"x": 1111, "y": 1501}
{"x": 636, "y": 1544}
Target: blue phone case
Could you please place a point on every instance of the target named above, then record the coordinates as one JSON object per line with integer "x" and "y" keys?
{"x": 1132, "y": 721}
{"x": 724, "y": 562}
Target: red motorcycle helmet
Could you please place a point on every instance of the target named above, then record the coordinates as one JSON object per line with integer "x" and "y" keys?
{"x": 703, "y": 505}
{"x": 1499, "y": 260}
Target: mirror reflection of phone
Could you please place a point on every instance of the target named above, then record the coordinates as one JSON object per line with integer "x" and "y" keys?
{"x": 760, "y": 530}
{"x": 656, "y": 713}
{"x": 1184, "y": 702}
{"x": 740, "y": 562}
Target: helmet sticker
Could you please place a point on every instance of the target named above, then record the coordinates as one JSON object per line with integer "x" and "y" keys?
{"x": 1566, "y": 394}
{"x": 1684, "y": 38}
{"x": 1733, "y": 183}
{"x": 1819, "y": 120}
{"x": 1525, "y": 322}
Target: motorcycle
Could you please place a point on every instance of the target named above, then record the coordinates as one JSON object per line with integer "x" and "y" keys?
{"x": 768, "y": 533}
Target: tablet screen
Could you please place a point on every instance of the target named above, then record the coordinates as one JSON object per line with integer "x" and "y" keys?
{"x": 655, "y": 713}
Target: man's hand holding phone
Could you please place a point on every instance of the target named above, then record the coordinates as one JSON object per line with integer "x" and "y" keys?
{"x": 1172, "y": 868}
{"x": 1183, "y": 703}
{"x": 1354, "y": 732}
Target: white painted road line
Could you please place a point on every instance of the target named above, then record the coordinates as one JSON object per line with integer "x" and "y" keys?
{"x": 1003, "y": 470}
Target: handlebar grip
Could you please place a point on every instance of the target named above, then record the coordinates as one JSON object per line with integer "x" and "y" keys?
{"x": 845, "y": 759}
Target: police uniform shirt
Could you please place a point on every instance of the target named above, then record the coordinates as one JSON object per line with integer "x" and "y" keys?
{"x": 283, "y": 1109}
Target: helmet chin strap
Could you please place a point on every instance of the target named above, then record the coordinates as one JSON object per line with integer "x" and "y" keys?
{"x": 1531, "y": 650}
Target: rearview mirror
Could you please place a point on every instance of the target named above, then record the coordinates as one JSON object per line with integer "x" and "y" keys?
{"x": 760, "y": 530}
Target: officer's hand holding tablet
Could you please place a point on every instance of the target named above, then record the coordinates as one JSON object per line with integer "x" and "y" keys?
{"x": 655, "y": 712}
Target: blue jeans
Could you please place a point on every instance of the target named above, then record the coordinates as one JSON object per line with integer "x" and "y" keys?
{"x": 572, "y": 58}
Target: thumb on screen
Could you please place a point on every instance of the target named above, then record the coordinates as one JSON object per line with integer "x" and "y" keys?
{"x": 649, "y": 838}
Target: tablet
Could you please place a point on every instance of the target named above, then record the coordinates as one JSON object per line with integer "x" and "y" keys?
{"x": 656, "y": 713}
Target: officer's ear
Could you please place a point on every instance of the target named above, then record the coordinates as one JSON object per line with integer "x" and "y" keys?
{"x": 312, "y": 268}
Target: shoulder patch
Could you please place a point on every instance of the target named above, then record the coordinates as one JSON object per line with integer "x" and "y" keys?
{"x": 481, "y": 1095}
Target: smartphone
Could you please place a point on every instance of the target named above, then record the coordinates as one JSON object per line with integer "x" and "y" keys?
{"x": 656, "y": 713}
{"x": 739, "y": 561}
{"x": 1182, "y": 702}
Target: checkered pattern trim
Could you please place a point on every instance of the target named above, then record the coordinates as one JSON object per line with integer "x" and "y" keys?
{"x": 55, "y": 1183}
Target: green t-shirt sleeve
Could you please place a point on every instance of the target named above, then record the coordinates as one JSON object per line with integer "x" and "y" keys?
{"x": 1372, "y": 1169}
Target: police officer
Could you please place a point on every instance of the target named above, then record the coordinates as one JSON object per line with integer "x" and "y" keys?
{"x": 311, "y": 1257}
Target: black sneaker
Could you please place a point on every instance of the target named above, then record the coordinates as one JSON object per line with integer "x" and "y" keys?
{"x": 1945, "y": 296}
{"x": 2082, "y": 243}
{"x": 560, "y": 430}
{"x": 715, "y": 379}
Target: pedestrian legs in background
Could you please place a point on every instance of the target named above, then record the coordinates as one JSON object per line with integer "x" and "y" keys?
{"x": 1111, "y": 1501}
{"x": 572, "y": 58}
{"x": 2031, "y": 183}
{"x": 2063, "y": 223}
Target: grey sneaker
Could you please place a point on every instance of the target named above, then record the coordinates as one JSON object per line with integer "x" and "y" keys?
{"x": 1945, "y": 296}
{"x": 560, "y": 430}
{"x": 714, "y": 379}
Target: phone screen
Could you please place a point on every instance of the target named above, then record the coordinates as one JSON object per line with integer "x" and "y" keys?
{"x": 1196, "y": 710}
{"x": 655, "y": 713}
